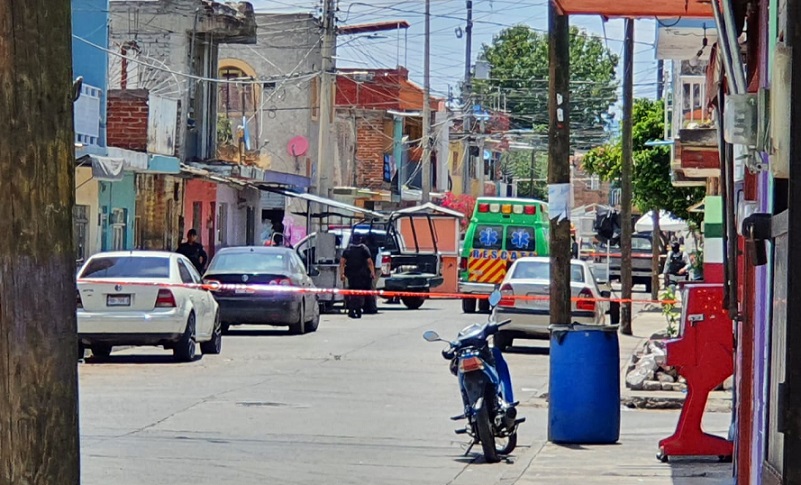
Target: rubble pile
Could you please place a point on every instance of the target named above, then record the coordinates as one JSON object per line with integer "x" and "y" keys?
{"x": 647, "y": 370}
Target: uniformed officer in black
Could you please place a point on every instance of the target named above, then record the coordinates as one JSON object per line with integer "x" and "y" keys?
{"x": 193, "y": 250}
{"x": 357, "y": 271}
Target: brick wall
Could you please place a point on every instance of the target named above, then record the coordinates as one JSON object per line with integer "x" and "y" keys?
{"x": 159, "y": 211}
{"x": 371, "y": 144}
{"x": 127, "y": 119}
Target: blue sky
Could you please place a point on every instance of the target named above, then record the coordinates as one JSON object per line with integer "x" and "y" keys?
{"x": 447, "y": 50}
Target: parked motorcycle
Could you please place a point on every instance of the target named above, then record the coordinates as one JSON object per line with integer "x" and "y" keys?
{"x": 486, "y": 387}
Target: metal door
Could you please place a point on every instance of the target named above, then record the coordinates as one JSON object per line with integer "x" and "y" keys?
{"x": 773, "y": 465}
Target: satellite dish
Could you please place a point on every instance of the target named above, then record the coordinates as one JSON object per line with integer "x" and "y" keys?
{"x": 298, "y": 146}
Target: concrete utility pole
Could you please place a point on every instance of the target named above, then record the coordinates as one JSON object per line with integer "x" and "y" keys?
{"x": 325, "y": 164}
{"x": 625, "y": 196}
{"x": 425, "y": 163}
{"x": 467, "y": 96}
{"x": 559, "y": 158}
{"x": 38, "y": 344}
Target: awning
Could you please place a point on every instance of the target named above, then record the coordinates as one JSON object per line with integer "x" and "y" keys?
{"x": 106, "y": 169}
{"x": 429, "y": 208}
{"x": 323, "y": 201}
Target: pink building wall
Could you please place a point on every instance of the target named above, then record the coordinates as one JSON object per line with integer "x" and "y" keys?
{"x": 205, "y": 194}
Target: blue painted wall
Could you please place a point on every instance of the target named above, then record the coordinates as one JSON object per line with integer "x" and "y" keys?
{"x": 90, "y": 21}
{"x": 117, "y": 195}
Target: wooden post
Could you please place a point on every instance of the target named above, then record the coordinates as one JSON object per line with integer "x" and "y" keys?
{"x": 656, "y": 251}
{"x": 559, "y": 158}
{"x": 626, "y": 194}
{"x": 38, "y": 345}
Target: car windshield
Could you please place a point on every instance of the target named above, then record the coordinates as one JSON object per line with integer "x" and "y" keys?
{"x": 249, "y": 262}
{"x": 541, "y": 270}
{"x": 127, "y": 267}
{"x": 640, "y": 244}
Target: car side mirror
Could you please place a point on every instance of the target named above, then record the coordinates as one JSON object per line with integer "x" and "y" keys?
{"x": 606, "y": 294}
{"x": 494, "y": 298}
{"x": 314, "y": 272}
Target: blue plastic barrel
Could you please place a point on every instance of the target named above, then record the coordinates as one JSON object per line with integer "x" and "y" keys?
{"x": 584, "y": 393}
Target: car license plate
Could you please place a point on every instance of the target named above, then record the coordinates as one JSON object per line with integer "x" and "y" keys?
{"x": 541, "y": 301}
{"x": 118, "y": 300}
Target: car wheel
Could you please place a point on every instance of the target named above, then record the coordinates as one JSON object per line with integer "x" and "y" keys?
{"x": 648, "y": 287}
{"x": 314, "y": 323}
{"x": 299, "y": 327}
{"x": 213, "y": 346}
{"x": 413, "y": 302}
{"x": 614, "y": 312}
{"x": 468, "y": 305}
{"x": 184, "y": 350}
{"x": 226, "y": 328}
{"x": 483, "y": 306}
{"x": 101, "y": 351}
{"x": 81, "y": 351}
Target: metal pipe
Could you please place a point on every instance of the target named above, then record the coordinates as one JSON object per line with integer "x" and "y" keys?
{"x": 734, "y": 48}
{"x": 723, "y": 43}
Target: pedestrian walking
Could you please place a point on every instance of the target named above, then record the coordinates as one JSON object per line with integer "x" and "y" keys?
{"x": 193, "y": 250}
{"x": 357, "y": 271}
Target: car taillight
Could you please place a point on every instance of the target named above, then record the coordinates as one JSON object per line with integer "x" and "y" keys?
{"x": 386, "y": 265}
{"x": 483, "y": 208}
{"x": 470, "y": 364}
{"x": 79, "y": 302}
{"x": 281, "y": 282}
{"x": 507, "y": 296}
{"x": 586, "y": 305}
{"x": 530, "y": 210}
{"x": 165, "y": 299}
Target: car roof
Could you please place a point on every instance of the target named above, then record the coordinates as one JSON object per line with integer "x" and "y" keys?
{"x": 256, "y": 249}
{"x": 136, "y": 253}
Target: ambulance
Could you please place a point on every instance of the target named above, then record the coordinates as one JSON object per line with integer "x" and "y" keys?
{"x": 501, "y": 231}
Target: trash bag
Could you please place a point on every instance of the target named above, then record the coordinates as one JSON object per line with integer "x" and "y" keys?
{"x": 607, "y": 225}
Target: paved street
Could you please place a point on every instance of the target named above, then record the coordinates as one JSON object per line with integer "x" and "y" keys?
{"x": 360, "y": 401}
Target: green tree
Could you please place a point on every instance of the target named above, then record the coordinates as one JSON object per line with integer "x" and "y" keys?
{"x": 518, "y": 58}
{"x": 519, "y": 165}
{"x": 651, "y": 184}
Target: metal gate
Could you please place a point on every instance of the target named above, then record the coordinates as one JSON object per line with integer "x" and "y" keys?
{"x": 773, "y": 466}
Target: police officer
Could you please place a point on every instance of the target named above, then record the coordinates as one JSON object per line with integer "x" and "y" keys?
{"x": 193, "y": 250}
{"x": 677, "y": 264}
{"x": 357, "y": 271}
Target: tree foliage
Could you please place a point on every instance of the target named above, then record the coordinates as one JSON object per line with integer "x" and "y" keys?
{"x": 518, "y": 58}
{"x": 651, "y": 184}
{"x": 518, "y": 164}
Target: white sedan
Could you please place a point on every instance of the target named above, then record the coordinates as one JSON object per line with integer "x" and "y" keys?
{"x": 531, "y": 317}
{"x": 137, "y": 298}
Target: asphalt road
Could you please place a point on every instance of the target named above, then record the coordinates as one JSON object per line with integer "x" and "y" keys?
{"x": 359, "y": 402}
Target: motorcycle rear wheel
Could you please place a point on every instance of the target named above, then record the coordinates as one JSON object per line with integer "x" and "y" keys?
{"x": 485, "y": 435}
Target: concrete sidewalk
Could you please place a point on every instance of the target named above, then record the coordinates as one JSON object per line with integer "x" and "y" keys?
{"x": 633, "y": 459}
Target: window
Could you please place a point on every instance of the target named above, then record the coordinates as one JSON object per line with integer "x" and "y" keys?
{"x": 248, "y": 262}
{"x": 127, "y": 267}
{"x": 118, "y": 229}
{"x": 488, "y": 237}
{"x": 222, "y": 224}
{"x": 80, "y": 227}
{"x": 541, "y": 270}
{"x": 235, "y": 99}
{"x": 186, "y": 275}
{"x": 520, "y": 238}
{"x": 595, "y": 183}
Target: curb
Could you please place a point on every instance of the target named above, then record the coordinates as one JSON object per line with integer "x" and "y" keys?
{"x": 672, "y": 403}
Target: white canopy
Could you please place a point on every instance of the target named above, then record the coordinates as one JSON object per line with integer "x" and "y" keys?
{"x": 667, "y": 222}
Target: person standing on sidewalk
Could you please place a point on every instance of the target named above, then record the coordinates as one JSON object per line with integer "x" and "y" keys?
{"x": 357, "y": 271}
{"x": 193, "y": 250}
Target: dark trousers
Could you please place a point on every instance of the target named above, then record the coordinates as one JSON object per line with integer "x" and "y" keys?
{"x": 356, "y": 303}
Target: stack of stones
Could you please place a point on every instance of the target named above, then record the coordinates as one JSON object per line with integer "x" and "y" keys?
{"x": 647, "y": 370}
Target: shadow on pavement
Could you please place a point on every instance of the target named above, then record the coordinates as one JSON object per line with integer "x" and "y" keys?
{"x": 528, "y": 350}
{"x": 251, "y": 332}
{"x": 138, "y": 359}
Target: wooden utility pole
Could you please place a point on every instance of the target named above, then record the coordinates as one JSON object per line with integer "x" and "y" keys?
{"x": 559, "y": 158}
{"x": 38, "y": 344}
{"x": 467, "y": 97}
{"x": 425, "y": 163}
{"x": 325, "y": 164}
{"x": 626, "y": 195}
